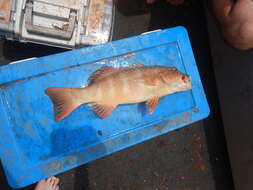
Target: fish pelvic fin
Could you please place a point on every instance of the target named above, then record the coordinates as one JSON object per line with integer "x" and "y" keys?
{"x": 152, "y": 104}
{"x": 64, "y": 101}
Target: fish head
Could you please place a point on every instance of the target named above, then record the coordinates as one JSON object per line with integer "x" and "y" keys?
{"x": 185, "y": 82}
{"x": 176, "y": 81}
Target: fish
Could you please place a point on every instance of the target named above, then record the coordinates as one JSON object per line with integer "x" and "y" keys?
{"x": 109, "y": 87}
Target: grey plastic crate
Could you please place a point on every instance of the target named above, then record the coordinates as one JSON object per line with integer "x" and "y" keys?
{"x": 60, "y": 23}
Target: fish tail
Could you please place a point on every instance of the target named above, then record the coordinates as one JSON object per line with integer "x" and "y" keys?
{"x": 65, "y": 101}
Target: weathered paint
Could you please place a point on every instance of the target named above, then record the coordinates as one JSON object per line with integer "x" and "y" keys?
{"x": 5, "y": 10}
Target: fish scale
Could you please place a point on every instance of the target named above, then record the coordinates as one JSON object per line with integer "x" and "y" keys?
{"x": 110, "y": 87}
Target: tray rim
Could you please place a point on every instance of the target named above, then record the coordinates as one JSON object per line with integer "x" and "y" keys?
{"x": 7, "y": 75}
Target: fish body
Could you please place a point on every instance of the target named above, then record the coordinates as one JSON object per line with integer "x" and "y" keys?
{"x": 109, "y": 87}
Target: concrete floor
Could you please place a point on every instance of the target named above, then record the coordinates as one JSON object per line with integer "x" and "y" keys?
{"x": 192, "y": 158}
{"x": 233, "y": 72}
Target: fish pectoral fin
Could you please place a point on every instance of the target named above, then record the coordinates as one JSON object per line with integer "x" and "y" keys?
{"x": 150, "y": 78}
{"x": 150, "y": 82}
{"x": 103, "y": 110}
{"x": 151, "y": 104}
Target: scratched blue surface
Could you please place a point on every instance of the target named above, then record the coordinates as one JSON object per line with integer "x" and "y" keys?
{"x": 33, "y": 146}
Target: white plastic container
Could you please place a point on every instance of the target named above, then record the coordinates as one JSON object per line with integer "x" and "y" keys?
{"x": 60, "y": 23}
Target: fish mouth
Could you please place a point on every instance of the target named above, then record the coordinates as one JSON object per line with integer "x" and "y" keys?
{"x": 188, "y": 86}
{"x": 188, "y": 82}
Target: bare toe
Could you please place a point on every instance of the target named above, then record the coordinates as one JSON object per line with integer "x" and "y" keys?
{"x": 49, "y": 184}
{"x": 49, "y": 180}
{"x": 55, "y": 182}
{"x": 52, "y": 181}
{"x": 41, "y": 185}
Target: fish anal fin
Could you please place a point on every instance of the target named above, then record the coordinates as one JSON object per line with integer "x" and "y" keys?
{"x": 103, "y": 111}
{"x": 152, "y": 104}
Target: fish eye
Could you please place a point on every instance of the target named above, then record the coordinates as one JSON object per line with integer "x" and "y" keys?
{"x": 184, "y": 78}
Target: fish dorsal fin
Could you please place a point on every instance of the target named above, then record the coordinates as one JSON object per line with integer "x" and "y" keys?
{"x": 102, "y": 73}
{"x": 107, "y": 71}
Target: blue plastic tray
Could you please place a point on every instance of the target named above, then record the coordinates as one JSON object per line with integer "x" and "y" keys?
{"x": 33, "y": 146}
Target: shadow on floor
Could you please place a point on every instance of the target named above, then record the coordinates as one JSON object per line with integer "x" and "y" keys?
{"x": 191, "y": 15}
{"x": 15, "y": 51}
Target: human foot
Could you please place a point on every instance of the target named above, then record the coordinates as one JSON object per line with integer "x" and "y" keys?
{"x": 48, "y": 184}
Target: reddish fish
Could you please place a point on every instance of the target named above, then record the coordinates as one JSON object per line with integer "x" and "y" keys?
{"x": 109, "y": 87}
